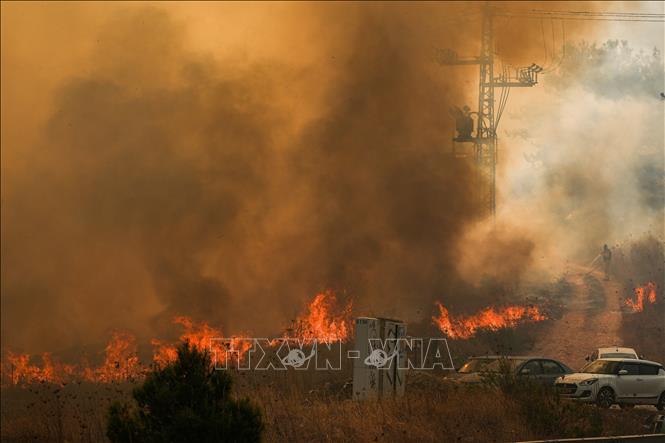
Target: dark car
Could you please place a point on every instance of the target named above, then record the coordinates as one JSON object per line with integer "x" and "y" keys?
{"x": 540, "y": 369}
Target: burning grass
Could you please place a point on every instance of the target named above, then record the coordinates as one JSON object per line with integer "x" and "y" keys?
{"x": 316, "y": 405}
{"x": 639, "y": 266}
{"x": 490, "y": 318}
{"x": 645, "y": 292}
{"x": 325, "y": 318}
{"x": 121, "y": 363}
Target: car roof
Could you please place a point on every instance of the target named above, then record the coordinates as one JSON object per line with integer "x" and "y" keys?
{"x": 630, "y": 360}
{"x": 616, "y": 349}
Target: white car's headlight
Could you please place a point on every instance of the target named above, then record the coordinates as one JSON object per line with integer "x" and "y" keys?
{"x": 588, "y": 382}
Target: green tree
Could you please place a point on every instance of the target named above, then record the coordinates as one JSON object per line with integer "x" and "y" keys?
{"x": 186, "y": 401}
{"x": 613, "y": 70}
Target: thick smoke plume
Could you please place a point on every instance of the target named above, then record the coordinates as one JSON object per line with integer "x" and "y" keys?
{"x": 231, "y": 188}
{"x": 587, "y": 162}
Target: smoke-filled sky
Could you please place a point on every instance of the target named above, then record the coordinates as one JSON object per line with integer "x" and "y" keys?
{"x": 227, "y": 161}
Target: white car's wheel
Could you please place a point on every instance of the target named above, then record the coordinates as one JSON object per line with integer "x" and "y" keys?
{"x": 661, "y": 402}
{"x": 605, "y": 397}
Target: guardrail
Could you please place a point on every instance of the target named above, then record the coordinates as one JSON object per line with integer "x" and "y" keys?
{"x": 645, "y": 438}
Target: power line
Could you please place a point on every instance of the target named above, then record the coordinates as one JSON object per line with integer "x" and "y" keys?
{"x": 563, "y": 50}
{"x": 600, "y": 13}
{"x": 542, "y": 33}
{"x": 535, "y": 16}
{"x": 584, "y": 15}
{"x": 485, "y": 139}
{"x": 503, "y": 100}
{"x": 552, "y": 27}
{"x": 572, "y": 15}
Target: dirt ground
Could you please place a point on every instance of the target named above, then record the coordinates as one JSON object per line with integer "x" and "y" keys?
{"x": 592, "y": 319}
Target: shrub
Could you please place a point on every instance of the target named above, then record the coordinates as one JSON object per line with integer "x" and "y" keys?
{"x": 185, "y": 401}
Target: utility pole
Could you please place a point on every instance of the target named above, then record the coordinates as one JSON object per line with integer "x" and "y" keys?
{"x": 485, "y": 144}
{"x": 485, "y": 141}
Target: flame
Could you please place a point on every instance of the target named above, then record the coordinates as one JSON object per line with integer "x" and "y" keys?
{"x": 489, "y": 318}
{"x": 204, "y": 338}
{"x": 121, "y": 363}
{"x": 325, "y": 320}
{"x": 648, "y": 289}
{"x": 163, "y": 353}
{"x": 21, "y": 370}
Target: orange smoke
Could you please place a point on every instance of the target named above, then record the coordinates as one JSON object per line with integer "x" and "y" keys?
{"x": 325, "y": 320}
{"x": 648, "y": 290}
{"x": 489, "y": 318}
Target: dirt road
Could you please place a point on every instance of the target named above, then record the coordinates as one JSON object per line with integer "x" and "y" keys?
{"x": 592, "y": 319}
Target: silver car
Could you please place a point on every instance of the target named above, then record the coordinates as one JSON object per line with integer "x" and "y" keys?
{"x": 536, "y": 369}
{"x": 622, "y": 381}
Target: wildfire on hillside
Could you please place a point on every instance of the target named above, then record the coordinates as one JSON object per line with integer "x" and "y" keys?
{"x": 490, "y": 318}
{"x": 646, "y": 291}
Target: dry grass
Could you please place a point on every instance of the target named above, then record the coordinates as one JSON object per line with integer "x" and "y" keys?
{"x": 422, "y": 415}
{"x": 305, "y": 407}
{"x": 635, "y": 264}
{"x": 44, "y": 412}
{"x": 436, "y": 410}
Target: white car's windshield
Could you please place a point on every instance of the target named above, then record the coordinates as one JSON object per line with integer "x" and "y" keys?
{"x": 489, "y": 365}
{"x": 617, "y": 355}
{"x": 601, "y": 367}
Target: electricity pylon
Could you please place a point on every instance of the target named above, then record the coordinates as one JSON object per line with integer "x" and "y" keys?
{"x": 485, "y": 142}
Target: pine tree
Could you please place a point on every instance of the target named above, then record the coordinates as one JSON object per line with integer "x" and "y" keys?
{"x": 186, "y": 401}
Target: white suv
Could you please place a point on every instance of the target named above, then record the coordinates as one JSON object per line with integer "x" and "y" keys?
{"x": 607, "y": 381}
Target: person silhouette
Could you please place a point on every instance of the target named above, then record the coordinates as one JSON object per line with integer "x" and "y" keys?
{"x": 607, "y": 259}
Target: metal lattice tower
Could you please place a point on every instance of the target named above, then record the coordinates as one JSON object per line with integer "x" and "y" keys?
{"x": 485, "y": 140}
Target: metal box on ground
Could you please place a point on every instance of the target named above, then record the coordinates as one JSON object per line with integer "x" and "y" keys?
{"x": 378, "y": 341}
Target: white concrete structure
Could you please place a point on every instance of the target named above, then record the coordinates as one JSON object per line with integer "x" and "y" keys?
{"x": 376, "y": 369}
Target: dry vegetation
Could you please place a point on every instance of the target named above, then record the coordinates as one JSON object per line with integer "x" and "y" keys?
{"x": 635, "y": 264}
{"x": 435, "y": 409}
{"x": 46, "y": 412}
{"x": 317, "y": 407}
